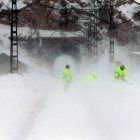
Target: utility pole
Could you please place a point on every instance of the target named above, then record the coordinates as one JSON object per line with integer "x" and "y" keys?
{"x": 14, "y": 64}
{"x": 14, "y": 39}
{"x": 111, "y": 32}
{"x": 92, "y": 45}
{"x": 95, "y": 44}
{"x": 89, "y": 39}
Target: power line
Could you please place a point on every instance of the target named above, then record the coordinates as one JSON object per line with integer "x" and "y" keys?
{"x": 135, "y": 2}
{"x": 29, "y": 5}
{"x": 125, "y": 22}
{"x": 121, "y": 4}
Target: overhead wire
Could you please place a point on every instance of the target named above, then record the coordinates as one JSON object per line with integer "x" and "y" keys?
{"x": 135, "y": 2}
{"x": 78, "y": 10}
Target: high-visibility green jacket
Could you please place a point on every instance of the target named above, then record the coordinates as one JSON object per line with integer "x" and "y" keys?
{"x": 66, "y": 75}
{"x": 89, "y": 79}
{"x": 119, "y": 74}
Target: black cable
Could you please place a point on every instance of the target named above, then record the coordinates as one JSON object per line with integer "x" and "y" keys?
{"x": 125, "y": 22}
{"x": 71, "y": 24}
{"x": 52, "y": 34}
{"x": 29, "y": 5}
{"x": 90, "y": 14}
{"x": 121, "y": 4}
{"x": 78, "y": 10}
{"x": 135, "y": 2}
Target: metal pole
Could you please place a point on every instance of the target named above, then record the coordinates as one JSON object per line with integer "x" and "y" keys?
{"x": 14, "y": 39}
{"x": 111, "y": 30}
{"x": 95, "y": 47}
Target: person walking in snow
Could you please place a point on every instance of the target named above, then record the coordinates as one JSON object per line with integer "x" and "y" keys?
{"x": 90, "y": 78}
{"x": 120, "y": 73}
{"x": 66, "y": 76}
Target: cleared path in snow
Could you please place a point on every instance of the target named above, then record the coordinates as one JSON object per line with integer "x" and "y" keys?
{"x": 35, "y": 107}
{"x": 105, "y": 112}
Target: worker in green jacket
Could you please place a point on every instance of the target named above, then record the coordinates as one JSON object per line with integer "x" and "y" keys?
{"x": 90, "y": 78}
{"x": 120, "y": 73}
{"x": 66, "y": 76}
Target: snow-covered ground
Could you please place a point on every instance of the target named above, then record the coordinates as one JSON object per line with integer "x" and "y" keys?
{"x": 34, "y": 105}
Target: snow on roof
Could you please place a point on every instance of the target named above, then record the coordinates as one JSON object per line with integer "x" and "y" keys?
{"x": 28, "y": 32}
{"x": 58, "y": 33}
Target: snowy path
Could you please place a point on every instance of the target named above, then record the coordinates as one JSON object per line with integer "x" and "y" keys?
{"x": 32, "y": 109}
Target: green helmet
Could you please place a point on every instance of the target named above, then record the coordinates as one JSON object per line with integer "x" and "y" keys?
{"x": 122, "y": 67}
{"x": 67, "y": 66}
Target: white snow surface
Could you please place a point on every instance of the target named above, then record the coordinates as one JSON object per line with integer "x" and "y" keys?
{"x": 34, "y": 105}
